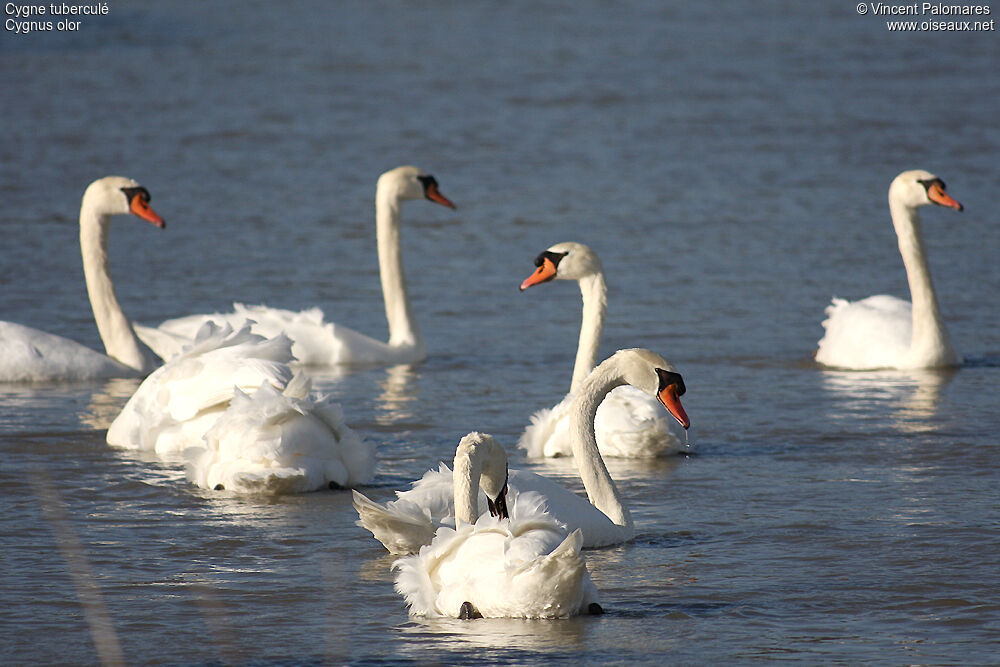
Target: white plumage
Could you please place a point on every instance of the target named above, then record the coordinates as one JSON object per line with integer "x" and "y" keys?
{"x": 231, "y": 408}
{"x": 629, "y": 424}
{"x": 274, "y": 442}
{"x": 885, "y": 331}
{"x": 524, "y": 566}
{"x": 32, "y": 355}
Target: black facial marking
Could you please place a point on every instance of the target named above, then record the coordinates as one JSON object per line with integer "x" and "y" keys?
{"x": 498, "y": 507}
{"x": 427, "y": 181}
{"x": 130, "y": 193}
{"x": 501, "y": 504}
{"x": 928, "y": 182}
{"x": 553, "y": 257}
{"x": 668, "y": 378}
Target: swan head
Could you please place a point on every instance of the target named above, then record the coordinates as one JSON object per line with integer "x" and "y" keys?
{"x": 117, "y": 195}
{"x": 410, "y": 183}
{"x": 918, "y": 188}
{"x": 649, "y": 372}
{"x": 479, "y": 454}
{"x": 564, "y": 261}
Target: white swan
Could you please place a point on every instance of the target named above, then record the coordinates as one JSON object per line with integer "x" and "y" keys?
{"x": 231, "y": 408}
{"x": 30, "y": 355}
{"x": 316, "y": 342}
{"x": 884, "y": 331}
{"x": 629, "y": 423}
{"x": 516, "y": 564}
{"x": 409, "y": 522}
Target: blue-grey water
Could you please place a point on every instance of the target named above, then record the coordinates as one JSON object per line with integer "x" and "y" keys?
{"x": 728, "y": 160}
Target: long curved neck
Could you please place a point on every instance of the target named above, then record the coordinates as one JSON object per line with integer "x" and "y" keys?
{"x": 595, "y": 304}
{"x": 403, "y": 329}
{"x": 467, "y": 471}
{"x": 120, "y": 341}
{"x": 930, "y": 337}
{"x": 601, "y": 489}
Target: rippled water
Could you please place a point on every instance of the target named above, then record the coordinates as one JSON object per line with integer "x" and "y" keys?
{"x": 729, "y": 162}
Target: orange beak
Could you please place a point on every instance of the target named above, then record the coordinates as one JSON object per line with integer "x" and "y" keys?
{"x": 435, "y": 195}
{"x": 672, "y": 402}
{"x": 937, "y": 195}
{"x": 543, "y": 274}
{"x": 141, "y": 208}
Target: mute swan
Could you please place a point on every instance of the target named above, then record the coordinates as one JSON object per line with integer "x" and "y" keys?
{"x": 316, "y": 342}
{"x": 232, "y": 408}
{"x": 30, "y": 355}
{"x": 520, "y": 564}
{"x": 883, "y": 331}
{"x": 409, "y": 522}
{"x": 629, "y": 423}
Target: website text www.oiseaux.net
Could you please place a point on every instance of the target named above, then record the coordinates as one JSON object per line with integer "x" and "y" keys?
{"x": 931, "y": 16}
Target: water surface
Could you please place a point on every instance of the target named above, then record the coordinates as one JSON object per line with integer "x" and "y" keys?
{"x": 729, "y": 162}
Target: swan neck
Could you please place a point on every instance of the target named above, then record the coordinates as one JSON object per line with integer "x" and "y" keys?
{"x": 403, "y": 329}
{"x": 467, "y": 470}
{"x": 120, "y": 341}
{"x": 601, "y": 489}
{"x": 595, "y": 304}
{"x": 930, "y": 337}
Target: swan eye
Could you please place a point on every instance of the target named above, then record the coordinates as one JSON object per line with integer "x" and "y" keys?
{"x": 668, "y": 378}
{"x": 553, "y": 257}
{"x": 927, "y": 183}
{"x": 131, "y": 193}
{"x": 429, "y": 182}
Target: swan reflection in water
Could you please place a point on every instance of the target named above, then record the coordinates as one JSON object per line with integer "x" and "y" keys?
{"x": 107, "y": 402}
{"x": 913, "y": 396}
{"x": 396, "y": 398}
{"x": 502, "y": 634}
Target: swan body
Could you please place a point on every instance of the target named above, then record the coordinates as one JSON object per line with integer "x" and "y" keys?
{"x": 509, "y": 563}
{"x": 884, "y": 331}
{"x": 410, "y": 521}
{"x": 317, "y": 342}
{"x": 30, "y": 355}
{"x": 629, "y": 423}
{"x": 277, "y": 441}
{"x": 232, "y": 408}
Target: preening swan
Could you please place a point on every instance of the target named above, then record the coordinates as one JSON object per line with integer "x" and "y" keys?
{"x": 629, "y": 423}
{"x": 315, "y": 341}
{"x": 407, "y": 523}
{"x": 520, "y": 563}
{"x": 883, "y": 331}
{"x": 30, "y": 355}
{"x": 231, "y": 408}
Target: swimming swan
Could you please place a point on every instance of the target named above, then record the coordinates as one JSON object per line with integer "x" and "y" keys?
{"x": 516, "y": 563}
{"x": 231, "y": 409}
{"x": 30, "y": 355}
{"x": 884, "y": 331}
